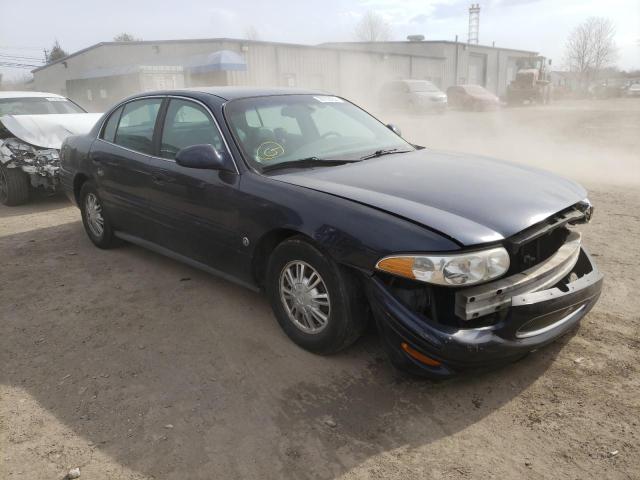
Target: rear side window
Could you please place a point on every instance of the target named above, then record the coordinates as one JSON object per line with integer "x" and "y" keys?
{"x": 187, "y": 123}
{"x": 109, "y": 132}
{"x": 135, "y": 130}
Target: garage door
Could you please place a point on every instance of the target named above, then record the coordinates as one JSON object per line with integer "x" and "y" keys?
{"x": 477, "y": 69}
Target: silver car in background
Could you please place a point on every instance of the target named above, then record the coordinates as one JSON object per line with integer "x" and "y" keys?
{"x": 414, "y": 96}
{"x": 633, "y": 90}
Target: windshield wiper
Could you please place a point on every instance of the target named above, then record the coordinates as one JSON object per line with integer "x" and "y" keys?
{"x": 379, "y": 153}
{"x": 307, "y": 162}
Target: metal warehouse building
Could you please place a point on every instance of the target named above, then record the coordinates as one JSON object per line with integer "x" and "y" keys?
{"x": 100, "y": 75}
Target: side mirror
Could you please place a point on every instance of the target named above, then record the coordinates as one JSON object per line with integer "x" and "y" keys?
{"x": 204, "y": 157}
{"x": 394, "y": 129}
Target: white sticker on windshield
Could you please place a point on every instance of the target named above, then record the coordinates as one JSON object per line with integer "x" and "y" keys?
{"x": 56, "y": 99}
{"x": 329, "y": 99}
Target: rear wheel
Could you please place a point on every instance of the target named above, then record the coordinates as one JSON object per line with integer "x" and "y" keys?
{"x": 14, "y": 186}
{"x": 317, "y": 302}
{"x": 94, "y": 219}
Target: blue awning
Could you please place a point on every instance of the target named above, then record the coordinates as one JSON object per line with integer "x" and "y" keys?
{"x": 220, "y": 61}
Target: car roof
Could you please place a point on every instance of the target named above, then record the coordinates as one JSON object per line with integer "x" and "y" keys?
{"x": 232, "y": 93}
{"x": 415, "y": 80}
{"x": 27, "y": 94}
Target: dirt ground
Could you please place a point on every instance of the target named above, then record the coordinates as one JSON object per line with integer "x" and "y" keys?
{"x": 132, "y": 366}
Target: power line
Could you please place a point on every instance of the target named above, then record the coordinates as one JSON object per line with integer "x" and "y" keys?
{"x": 17, "y": 65}
{"x": 9, "y": 47}
{"x": 19, "y": 57}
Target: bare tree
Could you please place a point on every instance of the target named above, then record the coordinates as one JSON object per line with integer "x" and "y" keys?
{"x": 372, "y": 28}
{"x": 591, "y": 48}
{"x": 126, "y": 37}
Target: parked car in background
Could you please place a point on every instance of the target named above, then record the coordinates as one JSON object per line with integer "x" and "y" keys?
{"x": 472, "y": 97}
{"x": 633, "y": 90}
{"x": 464, "y": 261}
{"x": 32, "y": 128}
{"x": 413, "y": 96}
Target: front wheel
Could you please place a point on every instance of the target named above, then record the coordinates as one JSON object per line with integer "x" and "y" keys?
{"x": 94, "y": 219}
{"x": 14, "y": 186}
{"x": 317, "y": 302}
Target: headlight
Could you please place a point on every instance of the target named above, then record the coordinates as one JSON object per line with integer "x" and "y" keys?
{"x": 586, "y": 207}
{"x": 450, "y": 269}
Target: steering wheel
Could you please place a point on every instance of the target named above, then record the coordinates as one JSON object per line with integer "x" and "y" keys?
{"x": 330, "y": 133}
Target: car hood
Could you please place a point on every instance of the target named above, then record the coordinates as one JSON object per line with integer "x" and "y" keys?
{"x": 471, "y": 199}
{"x": 429, "y": 94}
{"x": 49, "y": 131}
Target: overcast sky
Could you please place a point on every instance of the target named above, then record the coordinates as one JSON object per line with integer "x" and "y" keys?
{"x": 539, "y": 25}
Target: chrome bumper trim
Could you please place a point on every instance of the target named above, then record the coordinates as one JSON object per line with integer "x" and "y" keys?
{"x": 484, "y": 299}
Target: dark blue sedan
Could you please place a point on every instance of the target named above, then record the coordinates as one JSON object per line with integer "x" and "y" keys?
{"x": 461, "y": 261}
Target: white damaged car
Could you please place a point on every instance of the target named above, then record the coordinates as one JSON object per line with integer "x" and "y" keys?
{"x": 32, "y": 128}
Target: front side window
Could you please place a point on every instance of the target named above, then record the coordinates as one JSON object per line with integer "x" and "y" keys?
{"x": 135, "y": 129}
{"x": 285, "y": 128}
{"x": 186, "y": 124}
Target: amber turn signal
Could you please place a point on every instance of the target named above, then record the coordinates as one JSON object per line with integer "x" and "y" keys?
{"x": 402, "y": 266}
{"x": 421, "y": 357}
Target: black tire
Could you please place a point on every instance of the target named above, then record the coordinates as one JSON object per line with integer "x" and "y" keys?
{"x": 346, "y": 319}
{"x": 106, "y": 239}
{"x": 14, "y": 186}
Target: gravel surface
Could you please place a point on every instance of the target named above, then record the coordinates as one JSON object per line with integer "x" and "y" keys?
{"x": 128, "y": 365}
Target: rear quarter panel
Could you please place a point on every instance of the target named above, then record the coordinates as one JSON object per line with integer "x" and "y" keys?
{"x": 74, "y": 162}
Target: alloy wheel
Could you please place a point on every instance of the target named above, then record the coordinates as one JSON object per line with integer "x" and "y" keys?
{"x": 93, "y": 212}
{"x": 305, "y": 297}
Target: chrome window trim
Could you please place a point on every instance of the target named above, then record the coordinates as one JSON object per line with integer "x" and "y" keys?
{"x": 179, "y": 97}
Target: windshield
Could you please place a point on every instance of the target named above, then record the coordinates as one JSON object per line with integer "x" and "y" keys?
{"x": 424, "y": 86}
{"x": 37, "y": 106}
{"x": 285, "y": 128}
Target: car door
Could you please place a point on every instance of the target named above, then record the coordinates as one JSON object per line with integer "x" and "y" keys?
{"x": 122, "y": 159}
{"x": 196, "y": 209}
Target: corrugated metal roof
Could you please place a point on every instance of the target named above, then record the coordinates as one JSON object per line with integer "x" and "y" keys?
{"x": 432, "y": 42}
{"x": 211, "y": 40}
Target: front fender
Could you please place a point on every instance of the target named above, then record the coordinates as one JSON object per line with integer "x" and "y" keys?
{"x": 354, "y": 234}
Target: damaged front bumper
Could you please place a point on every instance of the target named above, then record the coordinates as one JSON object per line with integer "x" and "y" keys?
{"x": 537, "y": 307}
{"x": 41, "y": 164}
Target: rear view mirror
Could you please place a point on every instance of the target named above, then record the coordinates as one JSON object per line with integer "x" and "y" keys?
{"x": 394, "y": 129}
{"x": 203, "y": 156}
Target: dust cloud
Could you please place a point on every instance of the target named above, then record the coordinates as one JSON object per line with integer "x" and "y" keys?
{"x": 588, "y": 140}
{"x": 592, "y": 141}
